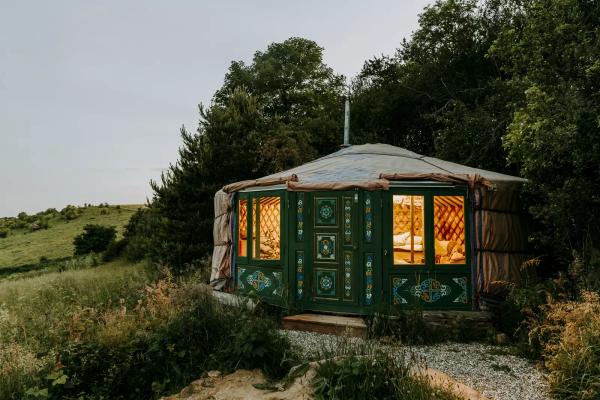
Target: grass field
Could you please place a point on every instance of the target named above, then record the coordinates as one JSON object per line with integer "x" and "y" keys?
{"x": 23, "y": 247}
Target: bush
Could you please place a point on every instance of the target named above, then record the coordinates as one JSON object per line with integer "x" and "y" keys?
{"x": 95, "y": 238}
{"x": 569, "y": 336}
{"x": 141, "y": 233}
{"x": 114, "y": 250}
{"x": 3, "y": 233}
{"x": 69, "y": 213}
{"x": 170, "y": 338}
{"x": 373, "y": 376}
{"x": 407, "y": 326}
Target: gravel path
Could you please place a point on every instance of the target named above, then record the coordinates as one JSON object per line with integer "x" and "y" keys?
{"x": 489, "y": 369}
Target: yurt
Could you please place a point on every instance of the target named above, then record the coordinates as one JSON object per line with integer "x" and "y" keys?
{"x": 370, "y": 226}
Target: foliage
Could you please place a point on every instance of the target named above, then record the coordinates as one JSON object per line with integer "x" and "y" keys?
{"x": 69, "y": 212}
{"x": 568, "y": 334}
{"x": 374, "y": 376}
{"x": 554, "y": 135}
{"x": 283, "y": 109}
{"x": 299, "y": 97}
{"x": 38, "y": 314}
{"x": 114, "y": 249}
{"x": 439, "y": 94}
{"x": 22, "y": 249}
{"x": 94, "y": 238}
{"x": 406, "y": 326}
{"x": 138, "y": 234}
{"x": 116, "y": 335}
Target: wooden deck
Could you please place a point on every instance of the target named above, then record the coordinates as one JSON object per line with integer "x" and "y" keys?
{"x": 329, "y": 324}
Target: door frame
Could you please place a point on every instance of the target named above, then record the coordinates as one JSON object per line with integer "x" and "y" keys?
{"x": 429, "y": 269}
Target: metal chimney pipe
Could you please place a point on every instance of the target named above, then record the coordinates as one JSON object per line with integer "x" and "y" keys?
{"x": 347, "y": 123}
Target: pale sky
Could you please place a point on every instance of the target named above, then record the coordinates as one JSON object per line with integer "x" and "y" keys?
{"x": 92, "y": 94}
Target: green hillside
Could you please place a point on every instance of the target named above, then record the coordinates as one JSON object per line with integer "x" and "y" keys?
{"x": 27, "y": 238}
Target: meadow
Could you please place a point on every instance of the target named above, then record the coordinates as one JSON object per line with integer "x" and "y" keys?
{"x": 24, "y": 247}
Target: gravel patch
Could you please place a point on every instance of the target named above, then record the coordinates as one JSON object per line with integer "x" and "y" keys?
{"x": 488, "y": 369}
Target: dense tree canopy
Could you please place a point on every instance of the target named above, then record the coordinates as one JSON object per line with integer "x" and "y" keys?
{"x": 506, "y": 85}
{"x": 278, "y": 112}
{"x": 441, "y": 94}
{"x": 554, "y": 136}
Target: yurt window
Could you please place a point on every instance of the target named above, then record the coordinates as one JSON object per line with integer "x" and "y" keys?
{"x": 266, "y": 226}
{"x": 242, "y": 228}
{"x": 409, "y": 229}
{"x": 449, "y": 229}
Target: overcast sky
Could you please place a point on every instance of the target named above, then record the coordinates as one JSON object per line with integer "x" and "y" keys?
{"x": 92, "y": 94}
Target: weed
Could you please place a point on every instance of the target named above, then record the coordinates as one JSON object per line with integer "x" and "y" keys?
{"x": 374, "y": 375}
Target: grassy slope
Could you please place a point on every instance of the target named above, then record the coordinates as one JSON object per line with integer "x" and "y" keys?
{"x": 22, "y": 247}
{"x": 87, "y": 287}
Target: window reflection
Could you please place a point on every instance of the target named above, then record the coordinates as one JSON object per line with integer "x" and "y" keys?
{"x": 266, "y": 223}
{"x": 449, "y": 229}
{"x": 409, "y": 229}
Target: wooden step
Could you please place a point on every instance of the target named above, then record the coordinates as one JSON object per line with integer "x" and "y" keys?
{"x": 329, "y": 324}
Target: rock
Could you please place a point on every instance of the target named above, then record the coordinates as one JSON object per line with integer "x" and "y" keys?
{"x": 213, "y": 374}
{"x": 501, "y": 339}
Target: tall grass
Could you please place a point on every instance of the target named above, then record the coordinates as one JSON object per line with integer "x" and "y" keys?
{"x": 36, "y": 317}
{"x": 114, "y": 332}
{"x": 365, "y": 370}
{"x": 38, "y": 310}
{"x": 569, "y": 333}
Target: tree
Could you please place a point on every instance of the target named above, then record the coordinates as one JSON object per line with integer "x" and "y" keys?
{"x": 283, "y": 109}
{"x": 440, "y": 94}
{"x": 94, "y": 238}
{"x": 554, "y": 137}
{"x": 298, "y": 94}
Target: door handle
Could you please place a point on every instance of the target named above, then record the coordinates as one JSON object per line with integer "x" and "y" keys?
{"x": 385, "y": 252}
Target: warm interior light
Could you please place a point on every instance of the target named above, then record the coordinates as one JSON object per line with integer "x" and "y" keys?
{"x": 449, "y": 229}
{"x": 266, "y": 222}
{"x": 242, "y": 228}
{"x": 408, "y": 229}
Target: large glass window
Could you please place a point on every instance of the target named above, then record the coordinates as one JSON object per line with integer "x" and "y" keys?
{"x": 266, "y": 226}
{"x": 242, "y": 228}
{"x": 409, "y": 229}
{"x": 449, "y": 229}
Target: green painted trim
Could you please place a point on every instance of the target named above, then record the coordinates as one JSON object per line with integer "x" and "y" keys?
{"x": 380, "y": 246}
{"x": 429, "y": 269}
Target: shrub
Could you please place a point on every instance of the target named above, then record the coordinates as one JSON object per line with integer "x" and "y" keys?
{"x": 407, "y": 326}
{"x": 569, "y": 336}
{"x": 3, "y": 233}
{"x": 168, "y": 340}
{"x": 114, "y": 249}
{"x": 69, "y": 212}
{"x": 106, "y": 335}
{"x": 141, "y": 232}
{"x": 95, "y": 238}
{"x": 374, "y": 376}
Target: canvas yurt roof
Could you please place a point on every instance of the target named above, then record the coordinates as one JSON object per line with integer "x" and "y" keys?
{"x": 365, "y": 166}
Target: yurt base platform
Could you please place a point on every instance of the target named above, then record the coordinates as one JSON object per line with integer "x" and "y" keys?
{"x": 329, "y": 324}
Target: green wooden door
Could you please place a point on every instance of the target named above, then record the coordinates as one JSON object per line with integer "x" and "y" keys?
{"x": 426, "y": 248}
{"x": 326, "y": 250}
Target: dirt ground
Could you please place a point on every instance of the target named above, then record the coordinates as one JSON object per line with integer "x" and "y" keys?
{"x": 238, "y": 386}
